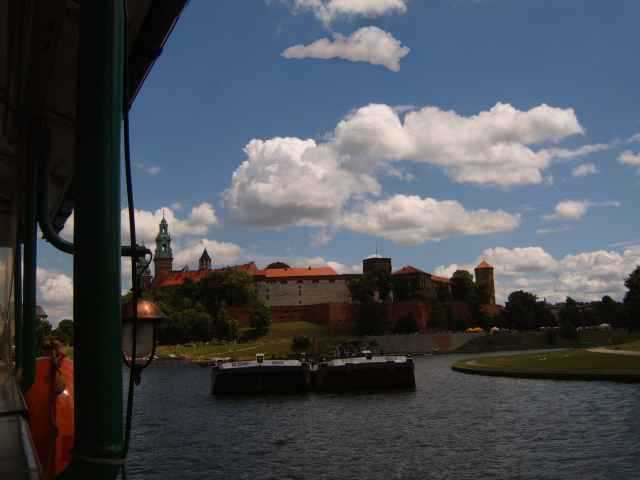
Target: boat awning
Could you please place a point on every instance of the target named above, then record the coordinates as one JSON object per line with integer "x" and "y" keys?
{"x": 39, "y": 51}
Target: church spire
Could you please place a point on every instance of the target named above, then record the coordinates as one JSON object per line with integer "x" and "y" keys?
{"x": 205, "y": 261}
{"x": 163, "y": 257}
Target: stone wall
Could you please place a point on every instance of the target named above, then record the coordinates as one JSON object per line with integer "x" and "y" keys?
{"x": 287, "y": 292}
{"x": 423, "y": 344}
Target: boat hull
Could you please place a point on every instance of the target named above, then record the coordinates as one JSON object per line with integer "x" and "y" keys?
{"x": 261, "y": 380}
{"x": 365, "y": 376}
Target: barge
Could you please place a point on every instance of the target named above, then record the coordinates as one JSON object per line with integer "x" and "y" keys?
{"x": 260, "y": 376}
{"x": 365, "y": 372}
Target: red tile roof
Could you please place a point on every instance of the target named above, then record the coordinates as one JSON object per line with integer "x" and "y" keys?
{"x": 175, "y": 278}
{"x": 436, "y": 278}
{"x": 297, "y": 272}
{"x": 408, "y": 269}
{"x": 483, "y": 264}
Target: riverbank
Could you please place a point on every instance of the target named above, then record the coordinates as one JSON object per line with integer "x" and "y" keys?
{"x": 578, "y": 364}
{"x": 276, "y": 344}
{"x": 536, "y": 340}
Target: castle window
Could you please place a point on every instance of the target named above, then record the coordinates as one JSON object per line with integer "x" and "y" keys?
{"x": 315, "y": 281}
{"x": 283, "y": 282}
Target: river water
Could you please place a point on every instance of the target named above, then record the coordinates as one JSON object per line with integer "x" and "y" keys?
{"x": 454, "y": 426}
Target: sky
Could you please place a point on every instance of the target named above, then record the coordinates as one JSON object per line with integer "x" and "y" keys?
{"x": 435, "y": 132}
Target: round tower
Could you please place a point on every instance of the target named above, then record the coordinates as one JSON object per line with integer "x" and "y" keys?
{"x": 485, "y": 283}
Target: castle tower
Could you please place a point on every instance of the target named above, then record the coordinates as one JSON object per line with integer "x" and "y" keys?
{"x": 205, "y": 261}
{"x": 163, "y": 257}
{"x": 485, "y": 282}
{"x": 372, "y": 264}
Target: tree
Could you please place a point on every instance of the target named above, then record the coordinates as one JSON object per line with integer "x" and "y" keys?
{"x": 64, "y": 331}
{"x": 300, "y": 343}
{"x": 463, "y": 287}
{"x": 406, "y": 324}
{"x": 225, "y": 327}
{"x": 611, "y": 312}
{"x": 438, "y": 320}
{"x": 43, "y": 331}
{"x": 370, "y": 319}
{"x": 365, "y": 288}
{"x": 632, "y": 297}
{"x": 260, "y": 320}
{"x": 570, "y": 318}
{"x": 521, "y": 310}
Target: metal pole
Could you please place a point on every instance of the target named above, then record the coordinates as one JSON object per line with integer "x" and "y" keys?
{"x": 29, "y": 321}
{"x": 96, "y": 305}
{"x": 17, "y": 302}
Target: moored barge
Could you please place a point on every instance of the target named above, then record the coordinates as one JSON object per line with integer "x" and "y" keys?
{"x": 366, "y": 372}
{"x": 260, "y": 376}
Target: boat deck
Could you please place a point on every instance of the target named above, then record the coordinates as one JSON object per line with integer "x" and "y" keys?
{"x": 18, "y": 459}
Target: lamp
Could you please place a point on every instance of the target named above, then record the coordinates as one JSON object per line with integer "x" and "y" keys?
{"x": 149, "y": 315}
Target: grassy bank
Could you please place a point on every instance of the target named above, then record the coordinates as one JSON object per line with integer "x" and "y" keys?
{"x": 543, "y": 340}
{"x": 277, "y": 343}
{"x": 578, "y": 364}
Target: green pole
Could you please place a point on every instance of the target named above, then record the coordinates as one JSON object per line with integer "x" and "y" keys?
{"x": 28, "y": 332}
{"x": 96, "y": 283}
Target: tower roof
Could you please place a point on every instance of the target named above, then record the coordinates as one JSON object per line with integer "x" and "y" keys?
{"x": 483, "y": 264}
{"x": 205, "y": 255}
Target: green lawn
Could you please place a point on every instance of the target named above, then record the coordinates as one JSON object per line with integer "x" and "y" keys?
{"x": 277, "y": 343}
{"x": 565, "y": 364}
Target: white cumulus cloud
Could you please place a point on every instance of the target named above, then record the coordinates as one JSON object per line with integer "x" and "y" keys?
{"x": 54, "y": 292}
{"x": 367, "y": 44}
{"x": 576, "y": 209}
{"x": 292, "y": 181}
{"x": 201, "y": 218}
{"x": 329, "y": 10}
{"x": 629, "y": 158}
{"x": 584, "y": 276}
{"x": 584, "y": 169}
{"x": 412, "y": 220}
{"x": 222, "y": 253}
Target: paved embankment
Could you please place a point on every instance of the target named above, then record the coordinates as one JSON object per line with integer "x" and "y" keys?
{"x": 423, "y": 344}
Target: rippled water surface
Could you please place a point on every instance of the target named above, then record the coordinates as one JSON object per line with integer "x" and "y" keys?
{"x": 454, "y": 426}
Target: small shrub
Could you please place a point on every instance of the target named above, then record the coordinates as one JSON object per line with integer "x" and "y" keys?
{"x": 300, "y": 343}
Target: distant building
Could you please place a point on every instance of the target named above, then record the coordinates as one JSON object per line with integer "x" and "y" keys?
{"x": 291, "y": 292}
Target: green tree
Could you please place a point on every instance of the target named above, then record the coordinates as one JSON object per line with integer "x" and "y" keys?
{"x": 570, "y": 318}
{"x": 406, "y": 324}
{"x": 521, "y": 308}
{"x": 43, "y": 331}
{"x": 611, "y": 312}
{"x": 632, "y": 297}
{"x": 225, "y": 327}
{"x": 438, "y": 317}
{"x": 64, "y": 331}
{"x": 366, "y": 287}
{"x": 260, "y": 320}
{"x": 300, "y": 343}
{"x": 370, "y": 319}
{"x": 463, "y": 287}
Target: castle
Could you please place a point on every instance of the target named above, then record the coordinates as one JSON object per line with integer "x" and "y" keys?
{"x": 301, "y": 293}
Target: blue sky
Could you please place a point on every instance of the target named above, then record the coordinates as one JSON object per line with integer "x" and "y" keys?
{"x": 443, "y": 131}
